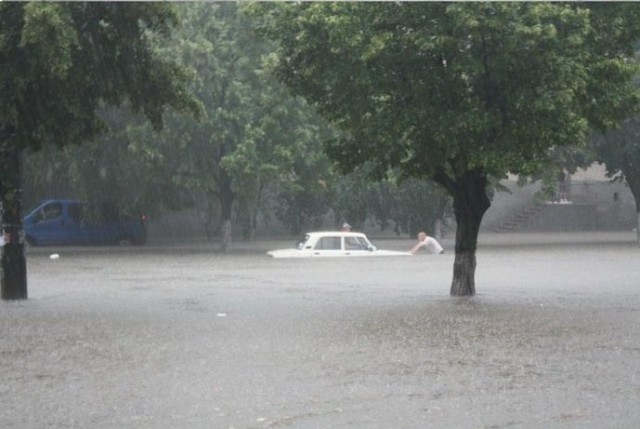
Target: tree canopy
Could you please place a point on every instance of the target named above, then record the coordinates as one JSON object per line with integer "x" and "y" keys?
{"x": 62, "y": 60}
{"x": 253, "y": 129}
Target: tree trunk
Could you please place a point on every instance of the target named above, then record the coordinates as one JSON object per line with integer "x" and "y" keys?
{"x": 470, "y": 202}
{"x": 633, "y": 180}
{"x": 12, "y": 263}
{"x": 247, "y": 219}
{"x": 226, "y": 203}
{"x": 225, "y": 235}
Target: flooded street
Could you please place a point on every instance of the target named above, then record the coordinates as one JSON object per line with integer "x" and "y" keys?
{"x": 184, "y": 337}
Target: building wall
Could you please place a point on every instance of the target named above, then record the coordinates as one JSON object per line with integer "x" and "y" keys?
{"x": 597, "y": 203}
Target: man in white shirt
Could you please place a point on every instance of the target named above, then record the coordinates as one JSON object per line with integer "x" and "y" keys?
{"x": 429, "y": 243}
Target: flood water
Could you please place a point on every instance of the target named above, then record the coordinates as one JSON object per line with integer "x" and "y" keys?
{"x": 181, "y": 336}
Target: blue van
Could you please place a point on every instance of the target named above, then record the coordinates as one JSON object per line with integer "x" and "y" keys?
{"x": 61, "y": 222}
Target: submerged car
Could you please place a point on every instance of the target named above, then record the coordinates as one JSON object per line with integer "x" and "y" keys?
{"x": 334, "y": 244}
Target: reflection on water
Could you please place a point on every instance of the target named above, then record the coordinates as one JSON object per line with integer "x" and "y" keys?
{"x": 135, "y": 339}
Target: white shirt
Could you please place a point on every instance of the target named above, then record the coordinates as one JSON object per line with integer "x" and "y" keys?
{"x": 432, "y": 245}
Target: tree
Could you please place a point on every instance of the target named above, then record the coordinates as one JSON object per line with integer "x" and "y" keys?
{"x": 304, "y": 196}
{"x": 456, "y": 92}
{"x": 619, "y": 151}
{"x": 418, "y": 205}
{"x": 60, "y": 63}
{"x": 412, "y": 205}
{"x": 253, "y": 130}
{"x": 352, "y": 198}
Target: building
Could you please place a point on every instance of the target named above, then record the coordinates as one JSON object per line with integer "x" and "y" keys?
{"x": 592, "y": 202}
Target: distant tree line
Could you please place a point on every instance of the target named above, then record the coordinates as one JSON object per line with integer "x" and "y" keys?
{"x": 258, "y": 150}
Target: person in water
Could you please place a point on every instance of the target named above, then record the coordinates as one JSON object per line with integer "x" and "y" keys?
{"x": 429, "y": 243}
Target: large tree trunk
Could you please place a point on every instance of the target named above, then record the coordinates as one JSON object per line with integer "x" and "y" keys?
{"x": 470, "y": 202}
{"x": 13, "y": 262}
{"x": 638, "y": 221}
{"x": 638, "y": 228}
{"x": 633, "y": 181}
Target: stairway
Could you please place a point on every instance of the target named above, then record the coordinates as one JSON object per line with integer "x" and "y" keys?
{"x": 516, "y": 221}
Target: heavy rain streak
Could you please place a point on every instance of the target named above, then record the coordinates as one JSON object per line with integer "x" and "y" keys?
{"x": 186, "y": 337}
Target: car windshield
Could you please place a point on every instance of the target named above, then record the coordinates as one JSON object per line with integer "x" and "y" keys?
{"x": 302, "y": 242}
{"x": 49, "y": 212}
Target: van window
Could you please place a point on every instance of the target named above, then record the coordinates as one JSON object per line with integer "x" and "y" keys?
{"x": 49, "y": 212}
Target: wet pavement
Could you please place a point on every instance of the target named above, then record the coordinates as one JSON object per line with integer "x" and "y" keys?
{"x": 180, "y": 336}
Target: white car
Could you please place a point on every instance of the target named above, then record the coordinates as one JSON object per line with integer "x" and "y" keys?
{"x": 334, "y": 244}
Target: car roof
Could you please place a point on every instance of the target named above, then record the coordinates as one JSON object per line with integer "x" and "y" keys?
{"x": 336, "y": 234}
{"x": 58, "y": 200}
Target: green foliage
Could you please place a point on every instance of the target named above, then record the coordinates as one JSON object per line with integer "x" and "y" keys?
{"x": 63, "y": 63}
{"x": 456, "y": 92}
{"x": 253, "y": 130}
{"x": 619, "y": 149}
{"x": 252, "y": 133}
{"x": 121, "y": 169}
{"x": 438, "y": 89}
{"x": 302, "y": 208}
{"x": 353, "y": 197}
{"x": 49, "y": 34}
{"x": 416, "y": 205}
{"x": 409, "y": 206}
{"x": 431, "y": 90}
{"x": 62, "y": 60}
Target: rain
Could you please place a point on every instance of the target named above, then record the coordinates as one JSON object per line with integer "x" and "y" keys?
{"x": 236, "y": 126}
{"x": 184, "y": 336}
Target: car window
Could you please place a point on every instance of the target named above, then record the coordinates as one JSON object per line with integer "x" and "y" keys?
{"x": 301, "y": 243}
{"x": 354, "y": 243}
{"x": 328, "y": 243}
